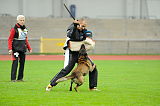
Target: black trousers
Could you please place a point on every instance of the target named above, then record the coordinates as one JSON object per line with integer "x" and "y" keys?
{"x": 73, "y": 59}
{"x": 18, "y": 57}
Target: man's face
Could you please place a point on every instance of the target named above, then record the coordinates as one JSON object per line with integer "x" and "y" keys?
{"x": 82, "y": 25}
{"x": 21, "y": 21}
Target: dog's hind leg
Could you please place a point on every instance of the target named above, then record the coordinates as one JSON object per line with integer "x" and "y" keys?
{"x": 61, "y": 79}
{"x": 71, "y": 85}
{"x": 64, "y": 78}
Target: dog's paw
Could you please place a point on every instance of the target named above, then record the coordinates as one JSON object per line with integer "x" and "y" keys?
{"x": 75, "y": 89}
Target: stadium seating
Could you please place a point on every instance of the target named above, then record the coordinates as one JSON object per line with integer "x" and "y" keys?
{"x": 103, "y": 29}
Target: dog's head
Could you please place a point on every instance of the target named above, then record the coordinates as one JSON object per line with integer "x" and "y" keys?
{"x": 82, "y": 51}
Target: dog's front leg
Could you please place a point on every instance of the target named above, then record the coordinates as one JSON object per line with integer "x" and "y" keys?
{"x": 76, "y": 88}
{"x": 79, "y": 82}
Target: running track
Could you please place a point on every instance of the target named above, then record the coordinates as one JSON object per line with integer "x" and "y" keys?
{"x": 93, "y": 57}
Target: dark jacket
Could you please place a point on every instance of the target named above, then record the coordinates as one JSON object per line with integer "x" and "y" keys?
{"x": 14, "y": 41}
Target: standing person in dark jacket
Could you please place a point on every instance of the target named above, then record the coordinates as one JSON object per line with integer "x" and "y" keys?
{"x": 75, "y": 32}
{"x": 17, "y": 46}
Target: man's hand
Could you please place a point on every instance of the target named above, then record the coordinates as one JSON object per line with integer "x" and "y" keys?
{"x": 10, "y": 51}
{"x": 30, "y": 51}
{"x": 76, "y": 21}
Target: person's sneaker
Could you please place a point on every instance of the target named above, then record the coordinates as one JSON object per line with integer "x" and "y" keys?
{"x": 20, "y": 80}
{"x": 13, "y": 80}
{"x": 48, "y": 88}
{"x": 94, "y": 89}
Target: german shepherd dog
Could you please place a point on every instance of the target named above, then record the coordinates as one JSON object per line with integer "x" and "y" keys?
{"x": 82, "y": 69}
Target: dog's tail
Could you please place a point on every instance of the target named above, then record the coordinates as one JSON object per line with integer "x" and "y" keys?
{"x": 64, "y": 78}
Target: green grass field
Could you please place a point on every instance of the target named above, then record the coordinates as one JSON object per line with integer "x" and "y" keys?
{"x": 122, "y": 83}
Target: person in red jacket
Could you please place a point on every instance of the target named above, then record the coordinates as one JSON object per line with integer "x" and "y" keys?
{"x": 17, "y": 46}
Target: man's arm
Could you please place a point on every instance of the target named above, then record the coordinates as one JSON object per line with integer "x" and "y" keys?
{"x": 71, "y": 31}
{"x": 10, "y": 39}
{"x": 28, "y": 45}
